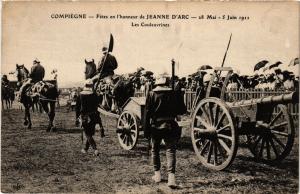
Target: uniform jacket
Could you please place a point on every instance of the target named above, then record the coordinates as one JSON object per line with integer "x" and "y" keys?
{"x": 109, "y": 65}
{"x": 37, "y": 73}
{"x": 161, "y": 108}
{"x": 5, "y": 82}
{"x": 86, "y": 104}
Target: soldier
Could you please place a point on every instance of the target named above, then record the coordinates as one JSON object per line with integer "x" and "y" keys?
{"x": 106, "y": 66}
{"x": 160, "y": 124}
{"x": 4, "y": 80}
{"x": 37, "y": 74}
{"x": 86, "y": 108}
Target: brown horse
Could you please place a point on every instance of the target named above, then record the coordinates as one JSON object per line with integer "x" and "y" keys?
{"x": 47, "y": 96}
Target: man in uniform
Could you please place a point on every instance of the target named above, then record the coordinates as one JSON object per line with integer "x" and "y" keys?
{"x": 160, "y": 124}
{"x": 86, "y": 108}
{"x": 4, "y": 80}
{"x": 106, "y": 66}
{"x": 37, "y": 74}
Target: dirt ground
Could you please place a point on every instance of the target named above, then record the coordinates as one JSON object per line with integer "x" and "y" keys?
{"x": 36, "y": 161}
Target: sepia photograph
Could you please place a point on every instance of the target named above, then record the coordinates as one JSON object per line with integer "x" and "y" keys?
{"x": 150, "y": 97}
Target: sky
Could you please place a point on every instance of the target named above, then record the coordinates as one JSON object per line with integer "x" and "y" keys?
{"x": 29, "y": 32}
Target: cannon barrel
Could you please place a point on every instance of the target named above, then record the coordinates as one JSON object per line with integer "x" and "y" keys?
{"x": 292, "y": 97}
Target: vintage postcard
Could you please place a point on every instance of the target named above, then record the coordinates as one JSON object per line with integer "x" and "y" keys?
{"x": 149, "y": 97}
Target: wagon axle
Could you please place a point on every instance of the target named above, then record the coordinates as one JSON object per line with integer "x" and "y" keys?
{"x": 125, "y": 130}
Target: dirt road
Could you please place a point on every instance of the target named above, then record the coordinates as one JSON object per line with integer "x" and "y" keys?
{"x": 36, "y": 161}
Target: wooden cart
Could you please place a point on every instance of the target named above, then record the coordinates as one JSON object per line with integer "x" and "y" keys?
{"x": 216, "y": 125}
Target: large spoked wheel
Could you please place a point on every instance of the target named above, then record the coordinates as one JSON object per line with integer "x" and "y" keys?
{"x": 276, "y": 140}
{"x": 213, "y": 134}
{"x": 127, "y": 130}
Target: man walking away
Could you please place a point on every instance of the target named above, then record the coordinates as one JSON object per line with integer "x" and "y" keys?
{"x": 160, "y": 124}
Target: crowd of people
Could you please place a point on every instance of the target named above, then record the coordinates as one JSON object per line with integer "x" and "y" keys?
{"x": 273, "y": 79}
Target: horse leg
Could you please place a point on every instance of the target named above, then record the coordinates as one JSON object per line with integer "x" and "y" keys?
{"x": 27, "y": 119}
{"x": 46, "y": 109}
{"x": 113, "y": 105}
{"x": 40, "y": 107}
{"x": 51, "y": 115}
{"x": 33, "y": 108}
{"x": 6, "y": 102}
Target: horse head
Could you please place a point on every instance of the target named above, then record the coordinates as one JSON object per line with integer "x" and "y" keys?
{"x": 22, "y": 72}
{"x": 90, "y": 69}
{"x": 92, "y": 62}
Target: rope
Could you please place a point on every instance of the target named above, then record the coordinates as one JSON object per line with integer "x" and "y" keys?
{"x": 44, "y": 98}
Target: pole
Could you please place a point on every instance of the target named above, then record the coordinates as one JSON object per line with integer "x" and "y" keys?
{"x": 226, "y": 51}
{"x": 173, "y": 74}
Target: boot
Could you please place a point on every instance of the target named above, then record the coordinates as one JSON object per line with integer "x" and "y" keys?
{"x": 96, "y": 153}
{"x": 156, "y": 177}
{"x": 171, "y": 180}
{"x": 84, "y": 151}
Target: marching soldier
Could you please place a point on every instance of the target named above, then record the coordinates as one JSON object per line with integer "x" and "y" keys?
{"x": 86, "y": 108}
{"x": 160, "y": 124}
{"x": 37, "y": 74}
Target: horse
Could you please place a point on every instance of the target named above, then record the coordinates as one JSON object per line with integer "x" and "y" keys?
{"x": 44, "y": 92}
{"x": 116, "y": 92}
{"x": 122, "y": 91}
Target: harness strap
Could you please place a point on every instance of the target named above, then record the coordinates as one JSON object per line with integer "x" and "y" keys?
{"x": 45, "y": 98}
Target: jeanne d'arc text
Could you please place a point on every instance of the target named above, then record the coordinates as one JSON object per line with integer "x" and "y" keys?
{"x": 167, "y": 16}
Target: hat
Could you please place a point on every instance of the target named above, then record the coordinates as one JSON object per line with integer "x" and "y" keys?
{"x": 162, "y": 79}
{"x": 104, "y": 49}
{"x": 36, "y": 61}
{"x": 271, "y": 77}
{"x": 88, "y": 87}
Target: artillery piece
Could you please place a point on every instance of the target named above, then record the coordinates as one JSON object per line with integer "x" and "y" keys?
{"x": 216, "y": 125}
